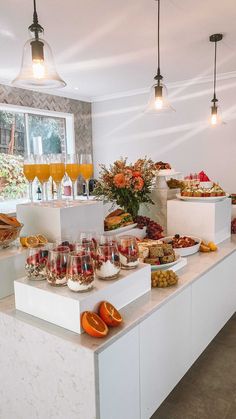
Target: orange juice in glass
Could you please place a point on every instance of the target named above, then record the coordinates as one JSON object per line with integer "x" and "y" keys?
{"x": 29, "y": 172}
{"x": 86, "y": 169}
{"x": 42, "y": 173}
{"x": 57, "y": 171}
{"x": 73, "y": 171}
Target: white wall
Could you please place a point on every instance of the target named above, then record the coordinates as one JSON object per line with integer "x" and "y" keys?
{"x": 183, "y": 138}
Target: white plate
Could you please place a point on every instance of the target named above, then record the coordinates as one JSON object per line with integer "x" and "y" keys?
{"x": 120, "y": 230}
{"x": 185, "y": 251}
{"x": 201, "y": 199}
{"x": 165, "y": 266}
{"x": 168, "y": 172}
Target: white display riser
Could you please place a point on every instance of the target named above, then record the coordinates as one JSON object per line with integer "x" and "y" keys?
{"x": 209, "y": 221}
{"x": 158, "y": 211}
{"x": 63, "y": 307}
{"x": 12, "y": 266}
{"x": 59, "y": 220}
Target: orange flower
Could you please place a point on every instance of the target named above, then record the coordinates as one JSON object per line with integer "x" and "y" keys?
{"x": 139, "y": 183}
{"x": 128, "y": 172}
{"x": 136, "y": 174}
{"x": 119, "y": 180}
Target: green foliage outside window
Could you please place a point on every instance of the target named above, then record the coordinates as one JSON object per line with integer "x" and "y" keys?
{"x": 48, "y": 129}
{"x": 13, "y": 184}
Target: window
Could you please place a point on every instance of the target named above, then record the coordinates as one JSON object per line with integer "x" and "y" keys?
{"x": 47, "y": 135}
{"x": 24, "y": 131}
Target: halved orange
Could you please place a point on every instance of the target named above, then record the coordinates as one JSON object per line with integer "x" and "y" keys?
{"x": 42, "y": 239}
{"x": 93, "y": 324}
{"x": 109, "y": 314}
{"x": 23, "y": 241}
{"x": 31, "y": 241}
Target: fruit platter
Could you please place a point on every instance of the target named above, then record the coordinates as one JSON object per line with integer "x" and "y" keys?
{"x": 184, "y": 245}
{"x": 158, "y": 254}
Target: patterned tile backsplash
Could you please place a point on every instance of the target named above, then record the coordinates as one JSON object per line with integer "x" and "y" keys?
{"x": 32, "y": 99}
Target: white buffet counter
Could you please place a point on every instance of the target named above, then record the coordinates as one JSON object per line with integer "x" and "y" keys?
{"x": 51, "y": 373}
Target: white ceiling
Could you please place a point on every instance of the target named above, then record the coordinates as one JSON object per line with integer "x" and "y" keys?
{"x": 105, "y": 47}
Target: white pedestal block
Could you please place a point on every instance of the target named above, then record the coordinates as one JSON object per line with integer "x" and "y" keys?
{"x": 61, "y": 220}
{"x": 12, "y": 266}
{"x": 64, "y": 307}
{"x": 209, "y": 221}
{"x": 158, "y": 211}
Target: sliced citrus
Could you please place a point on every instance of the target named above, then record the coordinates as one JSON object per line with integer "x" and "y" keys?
{"x": 212, "y": 246}
{"x": 94, "y": 325}
{"x": 23, "y": 241}
{"x": 31, "y": 241}
{"x": 42, "y": 239}
{"x": 109, "y": 314}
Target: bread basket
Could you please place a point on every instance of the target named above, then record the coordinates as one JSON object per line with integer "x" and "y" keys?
{"x": 8, "y": 234}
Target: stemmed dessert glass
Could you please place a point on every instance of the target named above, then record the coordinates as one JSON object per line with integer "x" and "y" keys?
{"x": 57, "y": 171}
{"x": 73, "y": 171}
{"x": 86, "y": 169}
{"x": 43, "y": 174}
{"x": 29, "y": 172}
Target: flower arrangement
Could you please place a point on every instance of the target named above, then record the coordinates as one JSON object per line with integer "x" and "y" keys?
{"x": 127, "y": 185}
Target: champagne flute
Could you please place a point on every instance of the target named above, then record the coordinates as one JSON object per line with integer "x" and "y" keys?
{"x": 57, "y": 171}
{"x": 86, "y": 169}
{"x": 29, "y": 172}
{"x": 73, "y": 171}
{"x": 43, "y": 174}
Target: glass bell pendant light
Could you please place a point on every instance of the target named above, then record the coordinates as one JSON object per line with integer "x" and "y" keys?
{"x": 158, "y": 100}
{"x": 215, "y": 116}
{"x": 37, "y": 66}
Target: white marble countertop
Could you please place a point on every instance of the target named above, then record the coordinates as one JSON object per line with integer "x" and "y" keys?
{"x": 135, "y": 312}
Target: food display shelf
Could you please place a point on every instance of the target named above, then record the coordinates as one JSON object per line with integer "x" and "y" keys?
{"x": 210, "y": 221}
{"x": 12, "y": 260}
{"x": 63, "y": 307}
{"x": 58, "y": 220}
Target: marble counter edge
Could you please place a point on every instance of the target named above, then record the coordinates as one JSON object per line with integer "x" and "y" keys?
{"x": 137, "y": 311}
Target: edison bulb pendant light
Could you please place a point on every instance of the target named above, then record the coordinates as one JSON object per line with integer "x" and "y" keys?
{"x": 158, "y": 100}
{"x": 37, "y": 67}
{"x": 215, "y": 115}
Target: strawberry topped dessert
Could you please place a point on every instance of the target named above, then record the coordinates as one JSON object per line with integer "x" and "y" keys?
{"x": 80, "y": 272}
{"x": 35, "y": 265}
{"x": 107, "y": 261}
{"x": 57, "y": 265}
{"x": 128, "y": 251}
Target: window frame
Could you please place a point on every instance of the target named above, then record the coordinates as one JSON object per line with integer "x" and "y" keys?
{"x": 69, "y": 121}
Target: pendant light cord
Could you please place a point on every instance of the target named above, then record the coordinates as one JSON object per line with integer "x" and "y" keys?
{"x": 35, "y": 15}
{"x": 35, "y": 28}
{"x": 158, "y": 37}
{"x": 214, "y": 96}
